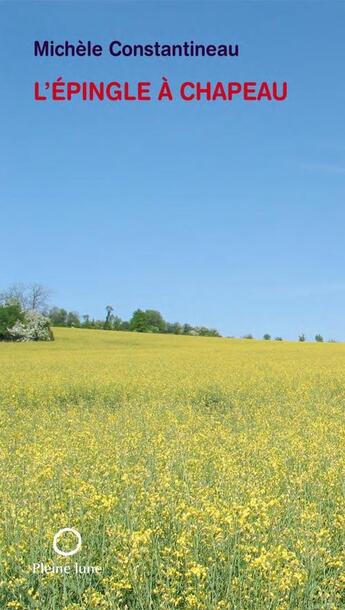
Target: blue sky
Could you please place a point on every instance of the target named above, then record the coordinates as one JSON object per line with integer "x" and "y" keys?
{"x": 227, "y": 215}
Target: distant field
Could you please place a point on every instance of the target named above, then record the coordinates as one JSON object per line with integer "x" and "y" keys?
{"x": 201, "y": 473}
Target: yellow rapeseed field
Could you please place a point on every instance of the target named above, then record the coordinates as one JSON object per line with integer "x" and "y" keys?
{"x": 201, "y": 473}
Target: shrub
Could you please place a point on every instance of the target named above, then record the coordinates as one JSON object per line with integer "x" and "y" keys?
{"x": 319, "y": 338}
{"x": 9, "y": 315}
{"x": 267, "y": 337}
{"x": 33, "y": 327}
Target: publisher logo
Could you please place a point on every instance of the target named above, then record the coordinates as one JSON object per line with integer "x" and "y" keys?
{"x": 42, "y": 569}
{"x": 57, "y": 537}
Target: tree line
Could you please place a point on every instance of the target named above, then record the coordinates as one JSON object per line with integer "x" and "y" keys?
{"x": 19, "y": 299}
{"x": 18, "y": 322}
{"x": 143, "y": 321}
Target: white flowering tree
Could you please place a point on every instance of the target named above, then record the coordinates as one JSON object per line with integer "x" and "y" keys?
{"x": 34, "y": 327}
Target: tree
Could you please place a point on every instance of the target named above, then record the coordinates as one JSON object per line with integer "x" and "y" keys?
{"x": 58, "y": 316}
{"x": 73, "y": 319}
{"x": 278, "y": 338}
{"x": 13, "y": 295}
{"x": 37, "y": 297}
{"x": 267, "y": 337}
{"x": 319, "y": 338}
{"x": 138, "y": 321}
{"x": 9, "y": 315}
{"x": 86, "y": 319}
{"x": 202, "y": 331}
{"x": 109, "y": 310}
{"x": 301, "y": 337}
{"x": 174, "y": 328}
{"x": 26, "y": 296}
{"x": 149, "y": 321}
{"x": 116, "y": 323}
{"x": 155, "y": 321}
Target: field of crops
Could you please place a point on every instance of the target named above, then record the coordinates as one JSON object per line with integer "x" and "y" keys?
{"x": 201, "y": 473}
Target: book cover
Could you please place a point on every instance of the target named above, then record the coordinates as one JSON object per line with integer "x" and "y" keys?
{"x": 172, "y": 354}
